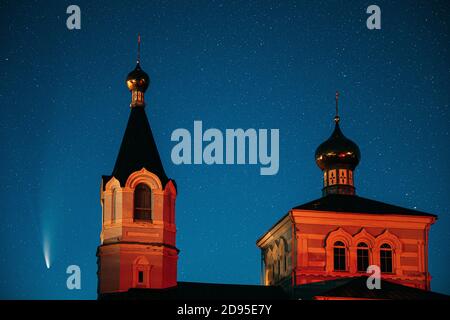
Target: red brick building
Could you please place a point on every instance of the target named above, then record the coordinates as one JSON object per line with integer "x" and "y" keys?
{"x": 341, "y": 234}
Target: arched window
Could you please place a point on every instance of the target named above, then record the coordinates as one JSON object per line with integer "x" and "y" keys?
{"x": 142, "y": 202}
{"x": 339, "y": 251}
{"x": 386, "y": 258}
{"x": 362, "y": 254}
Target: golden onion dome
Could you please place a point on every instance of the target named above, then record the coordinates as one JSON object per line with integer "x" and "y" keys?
{"x": 337, "y": 152}
{"x": 138, "y": 79}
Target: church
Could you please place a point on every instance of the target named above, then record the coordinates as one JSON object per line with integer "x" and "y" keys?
{"x": 317, "y": 250}
{"x": 341, "y": 234}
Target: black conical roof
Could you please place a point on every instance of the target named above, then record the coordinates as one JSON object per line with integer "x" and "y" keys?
{"x": 138, "y": 149}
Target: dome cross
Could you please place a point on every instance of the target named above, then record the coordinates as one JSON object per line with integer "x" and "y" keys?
{"x": 336, "y": 117}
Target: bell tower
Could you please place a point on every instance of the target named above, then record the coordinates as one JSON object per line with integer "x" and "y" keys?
{"x": 137, "y": 241}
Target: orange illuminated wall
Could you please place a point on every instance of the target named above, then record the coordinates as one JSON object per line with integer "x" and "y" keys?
{"x": 300, "y": 248}
{"x": 137, "y": 250}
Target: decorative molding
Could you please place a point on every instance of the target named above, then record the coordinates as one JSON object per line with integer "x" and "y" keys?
{"x": 339, "y": 235}
{"x": 143, "y": 176}
{"x": 363, "y": 236}
{"x": 111, "y": 184}
{"x": 389, "y": 238}
{"x": 141, "y": 264}
{"x": 170, "y": 189}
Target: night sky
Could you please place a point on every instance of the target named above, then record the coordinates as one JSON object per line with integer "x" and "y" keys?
{"x": 232, "y": 64}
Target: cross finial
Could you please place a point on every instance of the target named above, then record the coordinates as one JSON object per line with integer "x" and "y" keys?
{"x": 336, "y": 117}
{"x": 139, "y": 49}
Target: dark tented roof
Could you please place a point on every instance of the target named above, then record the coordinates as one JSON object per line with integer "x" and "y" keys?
{"x": 353, "y": 203}
{"x": 138, "y": 150}
{"x": 203, "y": 291}
{"x": 356, "y": 287}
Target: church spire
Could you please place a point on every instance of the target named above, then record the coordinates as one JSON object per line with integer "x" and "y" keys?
{"x": 138, "y": 61}
{"x": 336, "y": 117}
{"x": 138, "y": 149}
{"x": 138, "y": 81}
{"x": 138, "y": 236}
{"x": 337, "y": 157}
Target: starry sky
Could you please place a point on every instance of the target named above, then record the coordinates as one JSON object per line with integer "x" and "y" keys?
{"x": 232, "y": 64}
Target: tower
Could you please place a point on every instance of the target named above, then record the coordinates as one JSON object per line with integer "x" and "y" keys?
{"x": 138, "y": 247}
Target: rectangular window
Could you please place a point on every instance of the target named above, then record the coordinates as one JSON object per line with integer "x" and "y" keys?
{"x": 363, "y": 259}
{"x": 141, "y": 277}
{"x": 342, "y": 176}
{"x": 339, "y": 259}
{"x": 332, "y": 177}
{"x": 386, "y": 261}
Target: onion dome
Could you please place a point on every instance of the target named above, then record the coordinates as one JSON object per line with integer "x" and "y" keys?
{"x": 337, "y": 152}
{"x": 138, "y": 79}
{"x": 338, "y": 157}
{"x": 138, "y": 149}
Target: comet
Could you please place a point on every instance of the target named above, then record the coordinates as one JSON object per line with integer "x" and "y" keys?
{"x": 46, "y": 249}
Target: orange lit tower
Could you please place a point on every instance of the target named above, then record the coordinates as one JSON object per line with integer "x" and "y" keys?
{"x": 138, "y": 248}
{"x": 340, "y": 234}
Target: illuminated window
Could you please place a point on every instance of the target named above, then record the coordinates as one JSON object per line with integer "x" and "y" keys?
{"x": 339, "y": 252}
{"x": 342, "y": 176}
{"x": 325, "y": 179}
{"x": 142, "y": 202}
{"x": 362, "y": 254}
{"x": 386, "y": 258}
{"x": 350, "y": 177}
{"x": 332, "y": 177}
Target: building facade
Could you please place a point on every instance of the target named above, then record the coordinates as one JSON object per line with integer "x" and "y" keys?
{"x": 341, "y": 234}
{"x": 318, "y": 250}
